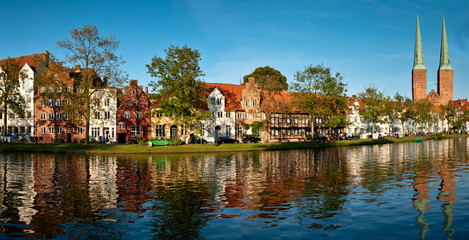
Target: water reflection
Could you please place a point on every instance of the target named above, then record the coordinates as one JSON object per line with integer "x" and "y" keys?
{"x": 399, "y": 190}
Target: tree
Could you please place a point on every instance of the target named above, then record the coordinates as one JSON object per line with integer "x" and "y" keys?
{"x": 398, "y": 109}
{"x": 97, "y": 66}
{"x": 449, "y": 114}
{"x": 373, "y": 106}
{"x": 179, "y": 88}
{"x": 423, "y": 112}
{"x": 268, "y": 78}
{"x": 322, "y": 95}
{"x": 10, "y": 97}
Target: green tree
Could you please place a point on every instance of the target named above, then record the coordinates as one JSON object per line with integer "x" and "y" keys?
{"x": 322, "y": 95}
{"x": 100, "y": 68}
{"x": 268, "y": 78}
{"x": 423, "y": 112}
{"x": 10, "y": 97}
{"x": 448, "y": 113}
{"x": 374, "y": 106}
{"x": 179, "y": 88}
{"x": 399, "y": 109}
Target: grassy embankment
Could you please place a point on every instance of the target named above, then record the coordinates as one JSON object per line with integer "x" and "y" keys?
{"x": 134, "y": 148}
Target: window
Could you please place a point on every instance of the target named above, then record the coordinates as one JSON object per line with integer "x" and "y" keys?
{"x": 262, "y": 116}
{"x": 43, "y": 90}
{"x": 27, "y": 99}
{"x": 228, "y": 130}
{"x": 228, "y": 114}
{"x": 288, "y": 132}
{"x": 133, "y": 92}
{"x": 68, "y": 89}
{"x": 67, "y": 116}
{"x": 254, "y": 115}
{"x": 97, "y": 102}
{"x": 59, "y": 89}
{"x": 160, "y": 131}
{"x": 106, "y": 102}
{"x": 11, "y": 115}
{"x": 80, "y": 117}
{"x": 51, "y": 130}
{"x": 28, "y": 130}
{"x": 274, "y": 120}
{"x": 126, "y": 114}
{"x": 295, "y": 120}
{"x": 66, "y": 101}
{"x": 240, "y": 115}
{"x": 94, "y": 132}
{"x": 248, "y": 101}
{"x": 274, "y": 132}
{"x": 288, "y": 120}
{"x": 219, "y": 114}
{"x": 80, "y": 90}
{"x": 218, "y": 101}
{"x": 51, "y": 89}
{"x": 247, "y": 116}
{"x": 254, "y": 102}
{"x": 121, "y": 125}
{"x": 58, "y": 116}
{"x": 43, "y": 102}
{"x": 139, "y": 114}
{"x": 107, "y": 115}
{"x": 239, "y": 131}
{"x": 79, "y": 130}
{"x": 51, "y": 116}
{"x": 59, "y": 130}
{"x": 51, "y": 102}
{"x": 97, "y": 115}
{"x": 59, "y": 102}
{"x": 43, "y": 116}
{"x": 135, "y": 131}
{"x": 130, "y": 103}
{"x": 137, "y": 103}
{"x": 43, "y": 130}
{"x": 29, "y": 114}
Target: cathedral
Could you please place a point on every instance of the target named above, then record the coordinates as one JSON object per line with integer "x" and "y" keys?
{"x": 444, "y": 91}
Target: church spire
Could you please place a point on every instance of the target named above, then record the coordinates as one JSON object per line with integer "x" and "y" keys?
{"x": 418, "y": 54}
{"x": 444, "y": 53}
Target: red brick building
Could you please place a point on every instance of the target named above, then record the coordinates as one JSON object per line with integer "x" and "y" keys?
{"x": 133, "y": 115}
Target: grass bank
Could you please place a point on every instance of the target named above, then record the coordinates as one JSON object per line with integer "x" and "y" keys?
{"x": 194, "y": 148}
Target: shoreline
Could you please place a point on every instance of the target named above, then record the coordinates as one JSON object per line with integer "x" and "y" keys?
{"x": 75, "y": 148}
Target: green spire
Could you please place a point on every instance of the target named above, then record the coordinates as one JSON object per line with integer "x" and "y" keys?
{"x": 418, "y": 53}
{"x": 444, "y": 53}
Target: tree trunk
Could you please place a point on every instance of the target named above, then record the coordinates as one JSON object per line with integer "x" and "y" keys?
{"x": 87, "y": 125}
{"x": 372, "y": 129}
{"x": 5, "y": 127}
{"x": 313, "y": 134}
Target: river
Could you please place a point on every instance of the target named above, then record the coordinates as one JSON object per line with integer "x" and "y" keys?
{"x": 390, "y": 191}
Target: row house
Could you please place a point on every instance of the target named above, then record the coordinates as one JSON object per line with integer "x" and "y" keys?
{"x": 103, "y": 119}
{"x": 133, "y": 114}
{"x": 24, "y": 125}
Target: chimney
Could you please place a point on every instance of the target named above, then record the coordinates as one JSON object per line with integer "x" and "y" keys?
{"x": 46, "y": 58}
{"x": 77, "y": 68}
{"x": 146, "y": 90}
{"x": 133, "y": 82}
{"x": 251, "y": 80}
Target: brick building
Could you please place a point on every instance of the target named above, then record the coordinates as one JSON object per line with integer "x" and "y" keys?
{"x": 133, "y": 115}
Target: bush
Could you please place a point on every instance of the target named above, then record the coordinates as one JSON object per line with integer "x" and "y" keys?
{"x": 142, "y": 141}
{"x": 82, "y": 140}
{"x": 309, "y": 137}
{"x": 176, "y": 142}
{"x": 59, "y": 140}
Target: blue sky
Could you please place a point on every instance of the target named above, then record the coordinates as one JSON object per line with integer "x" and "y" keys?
{"x": 371, "y": 43}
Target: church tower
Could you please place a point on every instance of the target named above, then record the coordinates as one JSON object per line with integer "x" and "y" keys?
{"x": 419, "y": 71}
{"x": 445, "y": 71}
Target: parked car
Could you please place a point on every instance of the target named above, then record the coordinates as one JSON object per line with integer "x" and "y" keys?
{"x": 251, "y": 139}
{"x": 320, "y": 138}
{"x": 197, "y": 140}
{"x": 226, "y": 140}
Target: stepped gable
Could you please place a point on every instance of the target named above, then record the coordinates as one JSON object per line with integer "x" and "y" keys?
{"x": 232, "y": 93}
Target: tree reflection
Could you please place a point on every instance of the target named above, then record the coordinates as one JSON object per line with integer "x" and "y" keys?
{"x": 180, "y": 205}
{"x": 325, "y": 190}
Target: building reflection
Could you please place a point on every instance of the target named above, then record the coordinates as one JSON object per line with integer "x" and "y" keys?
{"x": 64, "y": 194}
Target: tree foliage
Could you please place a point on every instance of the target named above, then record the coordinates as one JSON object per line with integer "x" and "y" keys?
{"x": 423, "y": 113}
{"x": 268, "y": 78}
{"x": 100, "y": 67}
{"x": 448, "y": 113}
{"x": 373, "y": 106}
{"x": 10, "y": 98}
{"x": 179, "y": 88}
{"x": 321, "y": 94}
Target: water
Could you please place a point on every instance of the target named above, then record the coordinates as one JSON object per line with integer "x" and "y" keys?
{"x": 390, "y": 191}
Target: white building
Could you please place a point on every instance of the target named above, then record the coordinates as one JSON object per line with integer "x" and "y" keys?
{"x": 103, "y": 121}
{"x": 222, "y": 123}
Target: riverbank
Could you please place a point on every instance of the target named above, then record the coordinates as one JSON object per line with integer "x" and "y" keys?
{"x": 197, "y": 148}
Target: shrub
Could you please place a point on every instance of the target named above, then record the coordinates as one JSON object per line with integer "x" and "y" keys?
{"x": 176, "y": 142}
{"x": 59, "y": 140}
{"x": 141, "y": 141}
{"x": 309, "y": 137}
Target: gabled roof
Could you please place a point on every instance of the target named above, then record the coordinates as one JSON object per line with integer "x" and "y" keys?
{"x": 232, "y": 93}
{"x": 32, "y": 60}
